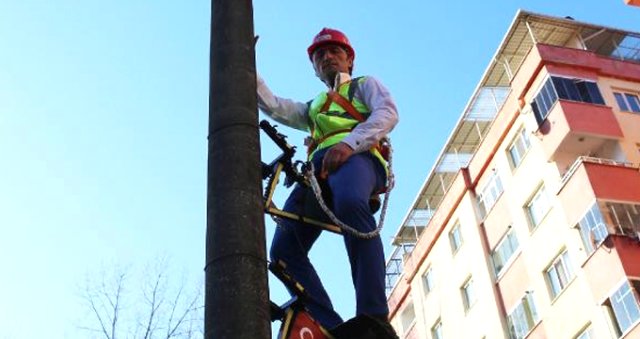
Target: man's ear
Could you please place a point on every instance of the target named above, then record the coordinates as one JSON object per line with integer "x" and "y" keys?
{"x": 315, "y": 70}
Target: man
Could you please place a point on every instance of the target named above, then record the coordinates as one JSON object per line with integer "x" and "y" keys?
{"x": 343, "y": 151}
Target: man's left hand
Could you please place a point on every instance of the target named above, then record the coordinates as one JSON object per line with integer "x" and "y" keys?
{"x": 334, "y": 158}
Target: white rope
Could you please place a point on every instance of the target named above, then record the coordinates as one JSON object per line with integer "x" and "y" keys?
{"x": 317, "y": 191}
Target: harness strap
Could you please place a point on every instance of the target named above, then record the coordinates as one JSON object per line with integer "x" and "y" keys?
{"x": 325, "y": 106}
{"x": 333, "y": 96}
{"x": 344, "y": 103}
{"x": 312, "y": 144}
{"x": 352, "y": 88}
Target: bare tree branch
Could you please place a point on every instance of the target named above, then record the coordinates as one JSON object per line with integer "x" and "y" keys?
{"x": 171, "y": 329}
{"x": 192, "y": 307}
{"x": 154, "y": 305}
{"x": 116, "y": 305}
{"x": 104, "y": 303}
{"x": 161, "y": 308}
{"x": 97, "y": 313}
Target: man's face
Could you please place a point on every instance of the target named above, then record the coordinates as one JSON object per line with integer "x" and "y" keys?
{"x": 330, "y": 59}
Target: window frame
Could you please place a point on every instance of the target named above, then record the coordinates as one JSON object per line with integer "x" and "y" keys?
{"x": 560, "y": 87}
{"x": 628, "y": 288}
{"x": 593, "y": 228}
{"x": 623, "y": 216}
{"x": 605, "y": 217}
{"x": 577, "y": 89}
{"x": 406, "y": 326}
{"x": 634, "y": 102}
{"x": 589, "y": 91}
{"x": 630, "y": 101}
{"x": 521, "y": 139}
{"x": 456, "y": 241}
{"x": 528, "y": 313}
{"x": 469, "y": 296}
{"x": 508, "y": 238}
{"x": 436, "y": 330}
{"x": 544, "y": 100}
{"x": 490, "y": 193}
{"x": 559, "y": 274}
{"x": 536, "y": 220}
{"x": 588, "y": 330}
{"x": 428, "y": 280}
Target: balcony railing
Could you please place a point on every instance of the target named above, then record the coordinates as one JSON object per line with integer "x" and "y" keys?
{"x": 582, "y": 159}
{"x": 395, "y": 265}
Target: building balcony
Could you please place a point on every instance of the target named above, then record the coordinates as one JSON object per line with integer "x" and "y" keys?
{"x": 601, "y": 199}
{"x": 590, "y": 179}
{"x": 395, "y": 265}
{"x": 577, "y": 128}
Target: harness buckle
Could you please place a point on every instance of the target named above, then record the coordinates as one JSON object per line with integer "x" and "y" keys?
{"x": 308, "y": 141}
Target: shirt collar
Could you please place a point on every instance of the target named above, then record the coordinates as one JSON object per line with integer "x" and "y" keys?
{"x": 341, "y": 78}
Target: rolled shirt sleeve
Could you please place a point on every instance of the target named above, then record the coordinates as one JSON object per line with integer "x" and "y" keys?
{"x": 286, "y": 111}
{"x": 383, "y": 118}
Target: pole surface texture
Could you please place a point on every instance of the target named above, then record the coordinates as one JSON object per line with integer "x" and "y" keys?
{"x": 236, "y": 291}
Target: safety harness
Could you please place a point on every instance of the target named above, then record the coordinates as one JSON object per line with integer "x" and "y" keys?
{"x": 382, "y": 150}
{"x": 320, "y": 117}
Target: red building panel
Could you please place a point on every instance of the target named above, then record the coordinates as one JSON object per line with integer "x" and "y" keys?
{"x": 580, "y": 59}
{"x": 611, "y": 182}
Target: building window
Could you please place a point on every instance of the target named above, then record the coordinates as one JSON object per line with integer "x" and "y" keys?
{"x": 623, "y": 306}
{"x": 627, "y": 102}
{"x": 523, "y": 317}
{"x": 489, "y": 194}
{"x": 593, "y": 230}
{"x": 504, "y": 251}
{"x": 436, "y": 330}
{"x": 627, "y": 48}
{"x": 538, "y": 207}
{"x": 564, "y": 88}
{"x": 587, "y": 333}
{"x": 408, "y": 318}
{"x": 519, "y": 148}
{"x": 428, "y": 280}
{"x": 578, "y": 90}
{"x": 455, "y": 237}
{"x": 468, "y": 294}
{"x": 559, "y": 274}
{"x": 606, "y": 217}
{"x": 624, "y": 217}
{"x": 543, "y": 102}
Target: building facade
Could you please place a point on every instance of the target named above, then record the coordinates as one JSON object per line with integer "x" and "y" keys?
{"x": 528, "y": 225}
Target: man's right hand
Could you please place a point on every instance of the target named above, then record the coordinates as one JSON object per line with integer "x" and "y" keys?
{"x": 337, "y": 155}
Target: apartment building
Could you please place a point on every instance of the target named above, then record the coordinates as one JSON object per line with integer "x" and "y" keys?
{"x": 528, "y": 225}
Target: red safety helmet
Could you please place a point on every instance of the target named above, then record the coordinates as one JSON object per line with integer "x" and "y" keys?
{"x": 330, "y": 36}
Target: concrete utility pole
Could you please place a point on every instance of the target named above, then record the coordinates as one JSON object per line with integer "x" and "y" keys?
{"x": 236, "y": 291}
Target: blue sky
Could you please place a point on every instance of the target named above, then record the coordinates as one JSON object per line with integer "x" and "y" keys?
{"x": 103, "y": 125}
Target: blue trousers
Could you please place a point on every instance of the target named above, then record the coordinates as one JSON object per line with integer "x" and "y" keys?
{"x": 351, "y": 186}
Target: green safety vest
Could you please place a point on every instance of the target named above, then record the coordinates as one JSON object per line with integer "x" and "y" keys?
{"x": 330, "y": 124}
